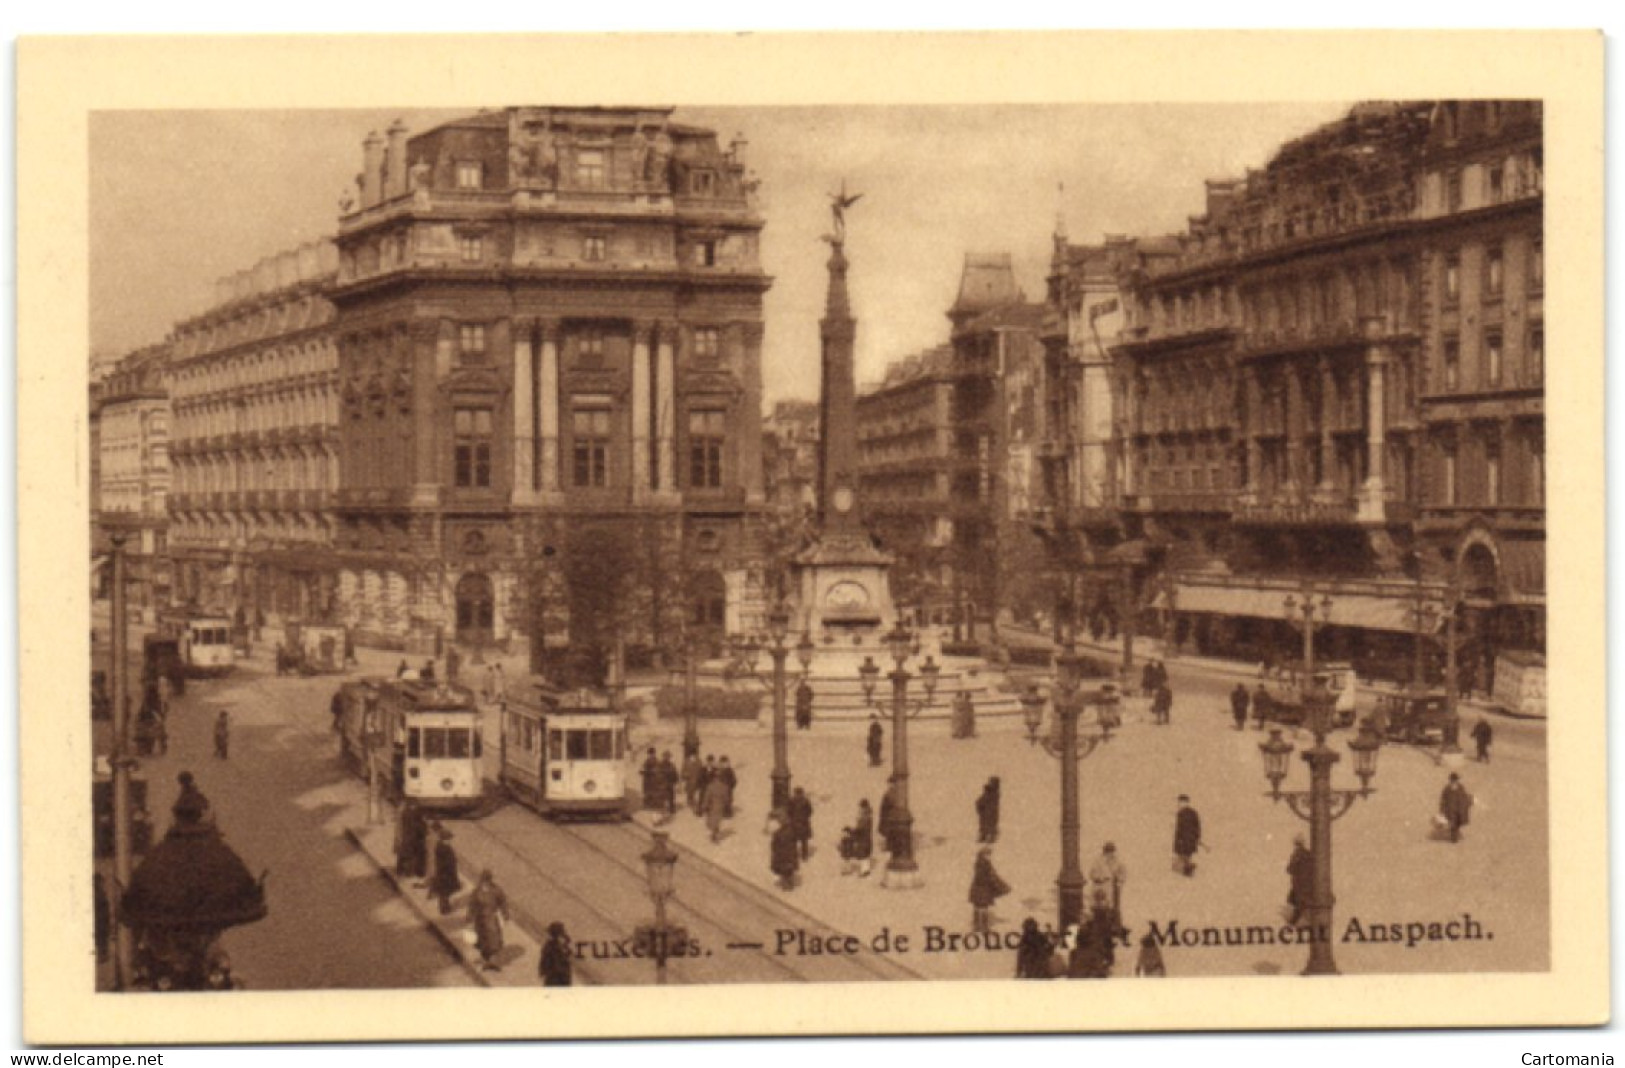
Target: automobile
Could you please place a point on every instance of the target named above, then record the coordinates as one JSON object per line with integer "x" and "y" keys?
{"x": 1415, "y": 716}
{"x": 1285, "y": 693}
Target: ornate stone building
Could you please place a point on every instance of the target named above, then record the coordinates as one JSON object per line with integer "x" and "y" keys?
{"x": 130, "y": 442}
{"x": 549, "y": 334}
{"x": 253, "y": 387}
{"x": 1330, "y": 379}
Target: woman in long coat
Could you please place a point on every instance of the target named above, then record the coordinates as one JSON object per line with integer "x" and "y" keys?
{"x": 555, "y": 964}
{"x": 987, "y": 812}
{"x": 487, "y": 912}
{"x": 1034, "y": 953}
{"x": 985, "y": 888}
{"x": 716, "y": 806}
{"x": 784, "y": 859}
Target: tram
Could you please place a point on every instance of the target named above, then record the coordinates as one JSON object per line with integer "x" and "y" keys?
{"x": 564, "y": 753}
{"x": 205, "y": 644}
{"x": 422, "y": 740}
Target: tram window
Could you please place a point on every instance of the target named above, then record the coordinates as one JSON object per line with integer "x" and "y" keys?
{"x": 576, "y": 745}
{"x": 457, "y": 745}
{"x": 414, "y": 746}
{"x": 556, "y": 749}
{"x": 434, "y": 742}
{"x": 602, "y": 746}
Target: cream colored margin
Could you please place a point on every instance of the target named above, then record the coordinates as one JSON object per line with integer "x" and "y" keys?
{"x": 61, "y": 80}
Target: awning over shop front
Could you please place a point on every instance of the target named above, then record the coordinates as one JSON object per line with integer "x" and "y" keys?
{"x": 1370, "y": 611}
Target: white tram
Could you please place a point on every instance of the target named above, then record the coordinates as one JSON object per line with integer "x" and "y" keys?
{"x": 422, "y": 740}
{"x": 564, "y": 753}
{"x": 205, "y": 645}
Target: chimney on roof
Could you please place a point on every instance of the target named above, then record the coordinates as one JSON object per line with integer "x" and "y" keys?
{"x": 395, "y": 164}
{"x": 372, "y": 170}
{"x": 736, "y": 149}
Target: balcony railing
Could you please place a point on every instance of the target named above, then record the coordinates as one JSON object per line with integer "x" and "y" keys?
{"x": 1283, "y": 512}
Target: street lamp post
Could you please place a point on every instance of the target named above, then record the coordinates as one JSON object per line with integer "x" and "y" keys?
{"x": 1308, "y": 609}
{"x": 901, "y": 870}
{"x": 659, "y": 863}
{"x": 1320, "y": 804}
{"x": 778, "y": 628}
{"x": 691, "y": 711}
{"x": 1072, "y": 749}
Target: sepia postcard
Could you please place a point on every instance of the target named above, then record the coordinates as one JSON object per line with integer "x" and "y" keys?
{"x": 518, "y": 533}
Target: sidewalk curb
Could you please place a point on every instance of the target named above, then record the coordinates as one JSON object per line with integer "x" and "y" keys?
{"x": 445, "y": 938}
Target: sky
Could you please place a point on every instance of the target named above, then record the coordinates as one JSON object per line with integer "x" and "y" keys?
{"x": 181, "y": 198}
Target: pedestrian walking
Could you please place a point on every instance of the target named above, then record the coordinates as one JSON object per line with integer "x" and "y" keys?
{"x": 964, "y": 716}
{"x": 783, "y": 858}
{"x": 1261, "y": 706}
{"x": 1033, "y": 952}
{"x": 877, "y": 735}
{"x": 725, "y": 773}
{"x": 667, "y": 777}
{"x": 1162, "y": 705}
{"x": 1148, "y": 678}
{"x": 1483, "y": 734}
{"x": 1187, "y": 837}
{"x": 716, "y": 806}
{"x": 986, "y": 887}
{"x": 487, "y": 915}
{"x": 1239, "y": 701}
{"x": 800, "y": 815}
{"x": 445, "y": 883}
{"x": 1455, "y": 804}
{"x": 1148, "y": 965}
{"x": 804, "y": 706}
{"x": 1107, "y": 876}
{"x": 557, "y": 954}
{"x": 647, "y": 776}
{"x": 987, "y": 812}
{"x": 693, "y": 781}
{"x": 1300, "y": 870}
{"x": 863, "y": 839}
{"x": 411, "y": 842}
{"x": 222, "y": 735}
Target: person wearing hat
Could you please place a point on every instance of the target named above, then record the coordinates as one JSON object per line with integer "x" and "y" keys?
{"x": 554, "y": 967}
{"x": 876, "y": 738}
{"x": 1455, "y": 803}
{"x": 222, "y": 734}
{"x": 987, "y": 812}
{"x": 1107, "y": 876}
{"x": 784, "y": 858}
{"x": 1034, "y": 952}
{"x": 444, "y": 884}
{"x": 1187, "y": 837}
{"x": 986, "y": 887}
{"x": 1301, "y": 871}
{"x": 487, "y": 912}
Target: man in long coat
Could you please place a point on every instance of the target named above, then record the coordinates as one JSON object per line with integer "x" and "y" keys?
{"x": 804, "y": 707}
{"x": 667, "y": 776}
{"x": 650, "y": 779}
{"x": 693, "y": 781}
{"x": 445, "y": 883}
{"x": 487, "y": 912}
{"x": 800, "y": 812}
{"x": 783, "y": 858}
{"x": 987, "y": 812}
{"x": 555, "y": 964}
{"x": 1162, "y": 704}
{"x": 863, "y": 838}
{"x": 1301, "y": 870}
{"x": 877, "y": 735}
{"x": 1455, "y": 803}
{"x": 1238, "y": 706}
{"x": 1483, "y": 733}
{"x": 725, "y": 773}
{"x": 1187, "y": 837}
{"x": 1107, "y": 876}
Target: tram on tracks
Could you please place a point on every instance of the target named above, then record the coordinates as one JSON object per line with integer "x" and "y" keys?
{"x": 202, "y": 643}
{"x": 422, "y": 741}
{"x": 564, "y": 754}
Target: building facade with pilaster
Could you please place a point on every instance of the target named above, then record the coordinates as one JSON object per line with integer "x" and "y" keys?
{"x": 549, "y": 334}
{"x": 253, "y": 386}
{"x": 130, "y": 461}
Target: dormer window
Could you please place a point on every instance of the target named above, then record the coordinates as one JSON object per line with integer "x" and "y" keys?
{"x": 470, "y": 174}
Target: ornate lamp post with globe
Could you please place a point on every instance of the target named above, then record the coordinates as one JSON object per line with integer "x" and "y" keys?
{"x": 901, "y": 870}
{"x": 1321, "y": 803}
{"x": 1069, "y": 751}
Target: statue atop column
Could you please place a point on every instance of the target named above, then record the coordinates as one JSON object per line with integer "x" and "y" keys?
{"x": 838, "y": 203}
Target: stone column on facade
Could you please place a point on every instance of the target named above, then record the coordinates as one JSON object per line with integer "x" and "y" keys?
{"x": 640, "y": 410}
{"x": 426, "y": 356}
{"x": 1373, "y": 493}
{"x": 666, "y": 410}
{"x": 524, "y": 413}
{"x": 372, "y": 170}
{"x": 749, "y": 452}
{"x": 547, "y": 406}
{"x": 1294, "y": 433}
{"x": 1251, "y": 426}
{"x": 1325, "y": 490}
